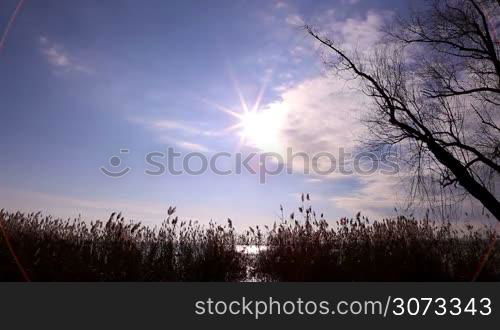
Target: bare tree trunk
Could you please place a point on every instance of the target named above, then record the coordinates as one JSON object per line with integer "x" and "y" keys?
{"x": 464, "y": 178}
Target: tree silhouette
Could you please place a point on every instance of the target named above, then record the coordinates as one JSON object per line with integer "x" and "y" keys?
{"x": 435, "y": 85}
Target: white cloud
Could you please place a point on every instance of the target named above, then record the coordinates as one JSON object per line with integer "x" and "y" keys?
{"x": 322, "y": 114}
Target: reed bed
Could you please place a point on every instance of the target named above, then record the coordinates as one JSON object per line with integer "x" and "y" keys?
{"x": 300, "y": 248}
{"x": 50, "y": 249}
{"x": 399, "y": 249}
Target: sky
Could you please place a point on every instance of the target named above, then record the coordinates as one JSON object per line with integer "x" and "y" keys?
{"x": 82, "y": 81}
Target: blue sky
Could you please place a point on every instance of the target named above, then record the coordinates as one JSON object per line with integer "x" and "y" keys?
{"x": 82, "y": 80}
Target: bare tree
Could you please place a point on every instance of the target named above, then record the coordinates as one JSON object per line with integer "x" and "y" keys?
{"x": 435, "y": 85}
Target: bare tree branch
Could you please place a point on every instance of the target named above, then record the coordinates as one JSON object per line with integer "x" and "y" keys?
{"x": 444, "y": 105}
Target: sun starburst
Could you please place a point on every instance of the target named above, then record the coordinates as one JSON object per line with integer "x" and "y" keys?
{"x": 258, "y": 127}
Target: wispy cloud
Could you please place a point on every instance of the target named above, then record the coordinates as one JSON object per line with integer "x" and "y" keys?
{"x": 176, "y": 132}
{"x": 350, "y": 2}
{"x": 190, "y": 146}
{"x": 59, "y": 58}
{"x": 92, "y": 209}
{"x": 186, "y": 145}
{"x": 355, "y": 32}
{"x": 378, "y": 196}
{"x": 280, "y": 5}
{"x": 175, "y": 125}
{"x": 186, "y": 128}
{"x": 294, "y": 20}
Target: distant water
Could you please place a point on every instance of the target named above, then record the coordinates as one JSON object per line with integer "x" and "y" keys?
{"x": 250, "y": 249}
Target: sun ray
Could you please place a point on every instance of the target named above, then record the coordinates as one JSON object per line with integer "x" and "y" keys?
{"x": 262, "y": 90}
{"x": 233, "y": 127}
{"x": 236, "y": 87}
{"x": 223, "y": 109}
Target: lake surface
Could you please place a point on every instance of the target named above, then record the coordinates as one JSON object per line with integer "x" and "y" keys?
{"x": 250, "y": 249}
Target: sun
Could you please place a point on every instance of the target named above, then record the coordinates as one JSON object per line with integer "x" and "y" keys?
{"x": 258, "y": 127}
{"x": 249, "y": 125}
{"x": 262, "y": 128}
